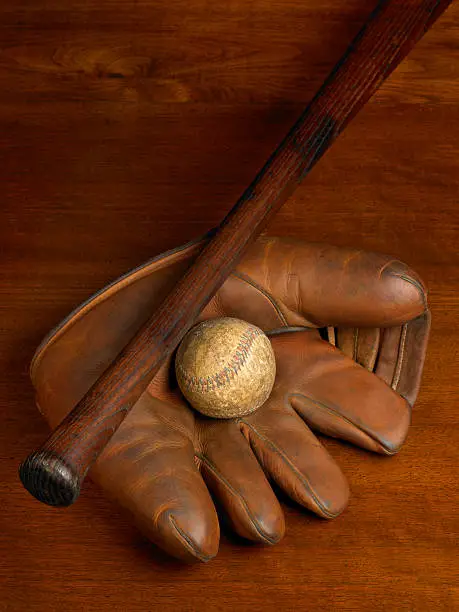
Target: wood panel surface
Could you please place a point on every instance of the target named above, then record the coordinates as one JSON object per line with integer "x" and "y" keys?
{"x": 129, "y": 127}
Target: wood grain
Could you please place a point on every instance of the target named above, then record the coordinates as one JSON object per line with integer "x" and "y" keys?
{"x": 128, "y": 128}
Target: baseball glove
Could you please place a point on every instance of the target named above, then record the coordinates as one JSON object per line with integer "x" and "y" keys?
{"x": 349, "y": 330}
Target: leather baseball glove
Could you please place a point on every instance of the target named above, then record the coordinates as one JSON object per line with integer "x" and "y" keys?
{"x": 349, "y": 330}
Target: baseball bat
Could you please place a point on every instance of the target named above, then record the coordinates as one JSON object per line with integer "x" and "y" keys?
{"x": 54, "y": 473}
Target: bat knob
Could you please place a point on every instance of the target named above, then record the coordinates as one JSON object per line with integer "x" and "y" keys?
{"x": 49, "y": 479}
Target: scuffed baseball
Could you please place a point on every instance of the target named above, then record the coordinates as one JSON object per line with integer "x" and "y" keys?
{"x": 225, "y": 367}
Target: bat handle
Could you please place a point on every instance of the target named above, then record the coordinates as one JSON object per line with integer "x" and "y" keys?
{"x": 50, "y": 479}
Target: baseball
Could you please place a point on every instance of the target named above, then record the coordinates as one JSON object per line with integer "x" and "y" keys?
{"x": 225, "y": 367}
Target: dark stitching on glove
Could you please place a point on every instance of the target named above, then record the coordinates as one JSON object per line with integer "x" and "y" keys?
{"x": 201, "y": 556}
{"x": 294, "y": 469}
{"x": 400, "y": 357}
{"x": 356, "y": 340}
{"x": 346, "y": 419}
{"x": 249, "y": 281}
{"x": 417, "y": 285}
{"x": 222, "y": 479}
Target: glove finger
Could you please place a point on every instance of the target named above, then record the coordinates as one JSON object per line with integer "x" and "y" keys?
{"x": 402, "y": 354}
{"x": 294, "y": 458}
{"x": 149, "y": 468}
{"x": 323, "y": 285}
{"x": 236, "y": 479}
{"x": 340, "y": 398}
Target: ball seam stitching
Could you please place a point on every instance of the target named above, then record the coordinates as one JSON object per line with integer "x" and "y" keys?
{"x": 206, "y": 384}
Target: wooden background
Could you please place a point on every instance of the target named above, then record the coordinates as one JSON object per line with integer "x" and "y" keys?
{"x": 130, "y": 126}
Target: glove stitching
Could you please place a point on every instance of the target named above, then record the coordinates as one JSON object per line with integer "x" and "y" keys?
{"x": 356, "y": 340}
{"x": 188, "y": 541}
{"x": 417, "y": 286}
{"x": 305, "y": 482}
{"x": 238, "y": 495}
{"x": 338, "y": 414}
{"x": 241, "y": 276}
{"x": 400, "y": 357}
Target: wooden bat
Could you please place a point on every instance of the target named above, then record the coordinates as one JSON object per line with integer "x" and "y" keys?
{"x": 55, "y": 472}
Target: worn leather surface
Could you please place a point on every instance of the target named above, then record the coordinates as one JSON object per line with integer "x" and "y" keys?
{"x": 349, "y": 330}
